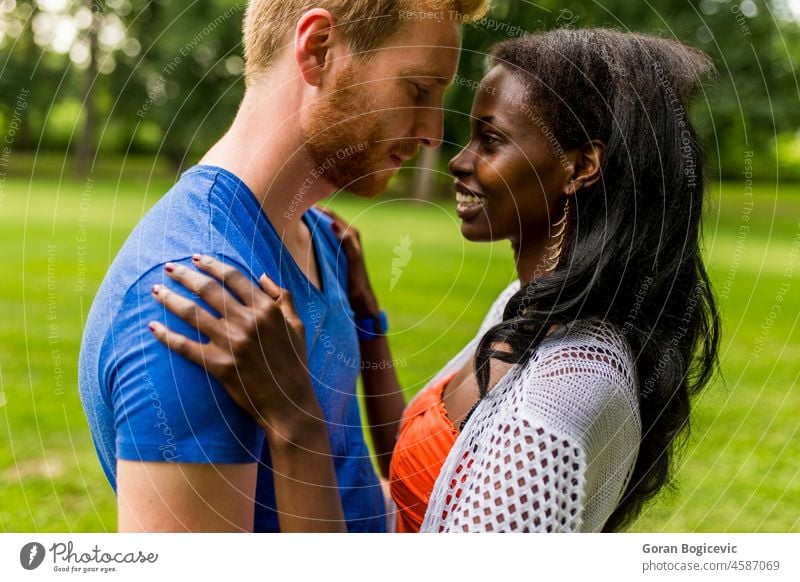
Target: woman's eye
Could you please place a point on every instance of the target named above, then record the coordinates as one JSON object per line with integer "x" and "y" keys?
{"x": 488, "y": 139}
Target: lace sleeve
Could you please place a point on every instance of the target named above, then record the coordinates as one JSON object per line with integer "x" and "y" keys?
{"x": 524, "y": 479}
{"x": 551, "y": 448}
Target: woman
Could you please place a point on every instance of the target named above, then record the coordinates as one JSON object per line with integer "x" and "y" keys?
{"x": 564, "y": 412}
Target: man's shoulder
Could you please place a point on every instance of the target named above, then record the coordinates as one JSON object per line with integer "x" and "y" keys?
{"x": 177, "y": 226}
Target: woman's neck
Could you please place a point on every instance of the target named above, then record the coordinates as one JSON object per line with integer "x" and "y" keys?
{"x": 530, "y": 262}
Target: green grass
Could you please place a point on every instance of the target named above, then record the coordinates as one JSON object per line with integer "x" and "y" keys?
{"x": 739, "y": 472}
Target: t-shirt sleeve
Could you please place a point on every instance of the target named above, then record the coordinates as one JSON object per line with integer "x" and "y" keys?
{"x": 165, "y": 407}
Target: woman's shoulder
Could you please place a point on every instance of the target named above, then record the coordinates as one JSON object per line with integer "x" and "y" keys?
{"x": 589, "y": 345}
{"x": 582, "y": 374}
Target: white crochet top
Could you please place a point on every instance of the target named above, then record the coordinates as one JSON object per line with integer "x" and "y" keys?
{"x": 552, "y": 446}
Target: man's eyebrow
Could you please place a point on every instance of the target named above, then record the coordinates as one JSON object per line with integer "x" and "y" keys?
{"x": 433, "y": 75}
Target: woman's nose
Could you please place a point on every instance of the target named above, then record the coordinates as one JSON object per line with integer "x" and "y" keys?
{"x": 461, "y": 165}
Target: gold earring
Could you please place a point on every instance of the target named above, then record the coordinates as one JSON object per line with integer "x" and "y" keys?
{"x": 553, "y": 252}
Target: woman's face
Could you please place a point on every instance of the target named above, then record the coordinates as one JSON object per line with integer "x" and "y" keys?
{"x": 512, "y": 174}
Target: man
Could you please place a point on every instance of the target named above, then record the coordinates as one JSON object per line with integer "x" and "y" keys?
{"x": 339, "y": 93}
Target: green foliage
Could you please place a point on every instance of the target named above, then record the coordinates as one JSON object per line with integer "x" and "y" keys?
{"x": 171, "y": 83}
{"x": 751, "y": 104}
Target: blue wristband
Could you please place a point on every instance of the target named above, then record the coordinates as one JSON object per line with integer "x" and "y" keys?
{"x": 370, "y": 328}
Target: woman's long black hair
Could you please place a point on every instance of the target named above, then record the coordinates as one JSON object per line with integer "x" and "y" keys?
{"x": 632, "y": 256}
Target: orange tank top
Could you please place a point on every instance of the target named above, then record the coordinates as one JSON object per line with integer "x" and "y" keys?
{"x": 425, "y": 439}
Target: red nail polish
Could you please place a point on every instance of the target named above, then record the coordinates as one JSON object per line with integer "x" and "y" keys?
{"x": 156, "y": 289}
{"x": 169, "y": 267}
{"x": 196, "y": 258}
{"x": 151, "y": 326}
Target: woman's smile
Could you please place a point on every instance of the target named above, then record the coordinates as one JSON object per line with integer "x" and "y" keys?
{"x": 470, "y": 203}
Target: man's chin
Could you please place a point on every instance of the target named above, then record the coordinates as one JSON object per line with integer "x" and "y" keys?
{"x": 371, "y": 186}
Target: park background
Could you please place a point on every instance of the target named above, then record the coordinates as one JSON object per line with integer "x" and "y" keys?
{"x": 103, "y": 104}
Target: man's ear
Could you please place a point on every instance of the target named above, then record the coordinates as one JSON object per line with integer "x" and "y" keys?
{"x": 314, "y": 38}
{"x": 587, "y": 165}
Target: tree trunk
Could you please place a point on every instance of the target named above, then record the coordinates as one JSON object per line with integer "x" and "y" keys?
{"x": 86, "y": 140}
{"x": 425, "y": 177}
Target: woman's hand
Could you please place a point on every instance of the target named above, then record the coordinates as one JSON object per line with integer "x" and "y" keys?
{"x": 362, "y": 298}
{"x": 257, "y": 350}
{"x": 257, "y": 347}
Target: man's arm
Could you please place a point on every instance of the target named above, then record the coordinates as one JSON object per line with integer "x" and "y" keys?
{"x": 195, "y": 497}
{"x": 185, "y": 452}
{"x": 185, "y": 497}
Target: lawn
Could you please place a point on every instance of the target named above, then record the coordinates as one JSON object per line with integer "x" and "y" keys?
{"x": 739, "y": 472}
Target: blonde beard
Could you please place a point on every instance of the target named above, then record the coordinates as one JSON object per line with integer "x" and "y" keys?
{"x": 347, "y": 146}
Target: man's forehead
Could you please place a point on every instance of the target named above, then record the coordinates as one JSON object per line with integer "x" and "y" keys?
{"x": 412, "y": 53}
{"x": 431, "y": 38}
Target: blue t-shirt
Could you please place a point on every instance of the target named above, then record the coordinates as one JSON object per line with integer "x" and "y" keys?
{"x": 146, "y": 403}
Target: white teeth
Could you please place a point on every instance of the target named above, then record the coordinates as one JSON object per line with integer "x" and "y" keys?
{"x": 462, "y": 198}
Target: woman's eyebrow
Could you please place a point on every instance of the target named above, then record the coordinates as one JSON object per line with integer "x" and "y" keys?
{"x": 492, "y": 122}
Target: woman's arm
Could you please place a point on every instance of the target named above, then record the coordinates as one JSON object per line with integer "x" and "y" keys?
{"x": 383, "y": 399}
{"x": 268, "y": 378}
{"x": 382, "y": 391}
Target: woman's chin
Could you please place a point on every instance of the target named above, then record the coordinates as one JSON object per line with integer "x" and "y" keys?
{"x": 473, "y": 233}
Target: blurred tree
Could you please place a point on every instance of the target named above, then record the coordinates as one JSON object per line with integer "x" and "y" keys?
{"x": 158, "y": 76}
{"x": 178, "y": 91}
{"x": 164, "y": 77}
{"x": 755, "y": 45}
{"x": 17, "y": 64}
{"x": 86, "y": 140}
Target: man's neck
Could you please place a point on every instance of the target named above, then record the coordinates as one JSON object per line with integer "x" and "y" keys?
{"x": 263, "y": 147}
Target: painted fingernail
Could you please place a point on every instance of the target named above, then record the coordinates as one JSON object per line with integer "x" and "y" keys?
{"x": 156, "y": 289}
{"x": 151, "y": 326}
{"x": 196, "y": 258}
{"x": 169, "y": 267}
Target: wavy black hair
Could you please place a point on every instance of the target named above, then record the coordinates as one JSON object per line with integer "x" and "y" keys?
{"x": 632, "y": 254}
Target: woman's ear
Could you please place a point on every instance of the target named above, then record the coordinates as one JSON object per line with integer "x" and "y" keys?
{"x": 314, "y": 40}
{"x": 588, "y": 164}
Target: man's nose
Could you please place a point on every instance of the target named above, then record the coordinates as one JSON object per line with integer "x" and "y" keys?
{"x": 430, "y": 126}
